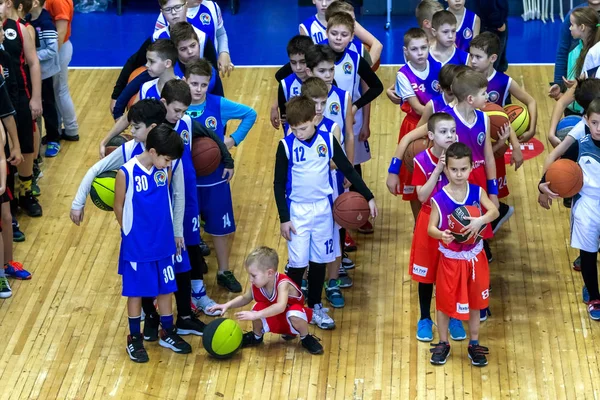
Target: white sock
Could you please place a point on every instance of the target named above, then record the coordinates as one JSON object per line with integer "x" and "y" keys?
{"x": 197, "y": 285}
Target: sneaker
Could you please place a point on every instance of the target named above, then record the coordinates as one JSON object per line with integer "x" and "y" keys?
{"x": 311, "y": 343}
{"x": 248, "y": 339}
{"x": 52, "y": 149}
{"x": 488, "y": 251}
{"x": 347, "y": 263}
{"x": 68, "y": 138}
{"x": 344, "y": 279}
{"x": 190, "y": 326}
{"x": 18, "y": 235}
{"x": 577, "y": 264}
{"x": 425, "y": 330}
{"x": 287, "y": 338}
{"x": 136, "y": 350}
{"x": 585, "y": 294}
{"x": 594, "y": 309}
{"x": 568, "y": 202}
{"x": 483, "y": 314}
{"x": 439, "y": 353}
{"x": 204, "y": 248}
{"x": 201, "y": 302}
{"x": 334, "y": 294}
{"x": 30, "y": 205}
{"x": 5, "y": 291}
{"x": 477, "y": 355}
{"x": 367, "y": 228}
{"x": 321, "y": 319}
{"x": 35, "y": 189}
{"x": 304, "y": 288}
{"x": 37, "y": 171}
{"x": 151, "y": 324}
{"x": 506, "y": 212}
{"x": 457, "y": 330}
{"x": 349, "y": 243}
{"x": 15, "y": 270}
{"x": 171, "y": 340}
{"x": 228, "y": 281}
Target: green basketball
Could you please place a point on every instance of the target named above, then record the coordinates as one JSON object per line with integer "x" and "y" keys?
{"x": 102, "y": 192}
{"x": 222, "y": 338}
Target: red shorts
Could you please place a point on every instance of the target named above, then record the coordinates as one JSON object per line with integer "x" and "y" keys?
{"x": 409, "y": 123}
{"x": 479, "y": 178}
{"x": 462, "y": 285}
{"x": 424, "y": 253}
{"x": 501, "y": 177}
{"x": 280, "y": 323}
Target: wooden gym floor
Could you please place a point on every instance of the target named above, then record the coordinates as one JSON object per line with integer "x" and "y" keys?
{"x": 64, "y": 331}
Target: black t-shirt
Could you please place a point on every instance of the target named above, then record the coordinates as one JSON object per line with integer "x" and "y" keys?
{"x": 6, "y": 106}
{"x": 9, "y": 73}
{"x": 13, "y": 44}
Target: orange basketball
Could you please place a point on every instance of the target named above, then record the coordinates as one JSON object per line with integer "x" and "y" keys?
{"x": 518, "y": 117}
{"x": 498, "y": 118}
{"x": 413, "y": 149}
{"x": 375, "y": 66}
{"x": 134, "y": 75}
{"x": 206, "y": 156}
{"x": 565, "y": 177}
{"x": 351, "y": 210}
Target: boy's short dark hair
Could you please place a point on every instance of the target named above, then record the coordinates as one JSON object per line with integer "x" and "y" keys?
{"x": 593, "y": 107}
{"x": 586, "y": 91}
{"x": 448, "y": 73}
{"x": 336, "y": 7}
{"x": 300, "y": 109}
{"x": 426, "y": 9}
{"x": 27, "y": 5}
{"x": 182, "y": 31}
{"x": 457, "y": 151}
{"x": 436, "y": 118}
{"x": 343, "y": 19}
{"x": 467, "y": 83}
{"x": 264, "y": 257}
{"x": 299, "y": 44}
{"x": 162, "y": 3}
{"x": 317, "y": 54}
{"x": 165, "y": 49}
{"x": 177, "y": 90}
{"x": 165, "y": 141}
{"x": 487, "y": 42}
{"x": 441, "y": 18}
{"x": 199, "y": 67}
{"x": 314, "y": 88}
{"x": 412, "y": 34}
{"x": 147, "y": 112}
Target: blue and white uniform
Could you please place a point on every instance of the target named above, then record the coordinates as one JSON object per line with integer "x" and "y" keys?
{"x": 149, "y": 90}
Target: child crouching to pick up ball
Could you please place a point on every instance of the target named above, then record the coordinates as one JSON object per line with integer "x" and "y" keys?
{"x": 279, "y": 306}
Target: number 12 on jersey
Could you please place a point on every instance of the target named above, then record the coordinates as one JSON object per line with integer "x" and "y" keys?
{"x": 299, "y": 152}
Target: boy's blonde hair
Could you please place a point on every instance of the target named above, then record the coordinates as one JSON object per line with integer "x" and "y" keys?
{"x": 314, "y": 88}
{"x": 343, "y": 19}
{"x": 426, "y": 9}
{"x": 436, "y": 118}
{"x": 264, "y": 258}
{"x": 336, "y": 7}
{"x": 467, "y": 83}
{"x": 442, "y": 17}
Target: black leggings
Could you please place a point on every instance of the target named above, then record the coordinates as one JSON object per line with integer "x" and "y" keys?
{"x": 316, "y": 278}
{"x": 589, "y": 272}
{"x": 197, "y": 261}
{"x": 183, "y": 297}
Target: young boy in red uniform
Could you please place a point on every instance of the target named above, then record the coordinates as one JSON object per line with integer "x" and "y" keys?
{"x": 463, "y": 275}
{"x": 279, "y": 306}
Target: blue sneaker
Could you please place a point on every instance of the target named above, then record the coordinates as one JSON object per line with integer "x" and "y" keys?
{"x": 457, "y": 330}
{"x": 52, "y": 149}
{"x": 425, "y": 330}
{"x": 15, "y": 270}
{"x": 586, "y": 295}
{"x": 483, "y": 314}
{"x": 594, "y": 309}
{"x": 334, "y": 294}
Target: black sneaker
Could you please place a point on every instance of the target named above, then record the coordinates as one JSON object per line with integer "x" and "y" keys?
{"x": 568, "y": 202}
{"x": 506, "y": 212}
{"x": 136, "y": 350}
{"x": 151, "y": 324}
{"x": 488, "y": 251}
{"x": 228, "y": 281}
{"x": 287, "y": 338}
{"x": 204, "y": 248}
{"x": 30, "y": 205}
{"x": 248, "y": 339}
{"x": 190, "y": 326}
{"x": 68, "y": 138}
{"x": 311, "y": 343}
{"x": 440, "y": 353}
{"x": 171, "y": 340}
{"x": 477, "y": 355}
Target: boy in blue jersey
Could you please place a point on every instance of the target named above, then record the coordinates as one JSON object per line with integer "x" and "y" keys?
{"x": 316, "y": 25}
{"x": 468, "y": 23}
{"x": 444, "y": 50}
{"x": 143, "y": 210}
{"x": 162, "y": 56}
{"x": 289, "y": 85}
{"x": 214, "y": 192}
{"x": 302, "y": 192}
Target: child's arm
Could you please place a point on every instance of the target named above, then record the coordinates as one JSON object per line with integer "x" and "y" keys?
{"x": 368, "y": 39}
{"x": 375, "y": 87}
{"x": 136, "y": 60}
{"x": 279, "y": 187}
{"x": 423, "y": 192}
{"x": 392, "y": 95}
{"x": 178, "y": 186}
{"x": 35, "y": 104}
{"x": 557, "y": 113}
{"x": 239, "y": 301}
{"x": 349, "y": 129}
{"x": 557, "y": 152}
{"x": 490, "y": 166}
{"x": 120, "y": 125}
{"x": 393, "y": 180}
{"x": 503, "y": 136}
{"x": 130, "y": 90}
{"x": 275, "y": 120}
{"x": 476, "y": 26}
{"x": 568, "y": 149}
{"x": 426, "y": 114}
{"x": 50, "y": 38}
{"x": 365, "y": 129}
{"x": 432, "y": 228}
{"x": 283, "y": 72}
{"x": 279, "y": 104}
{"x": 272, "y": 310}
{"x": 516, "y": 157}
{"x": 416, "y": 105}
{"x": 120, "y": 187}
{"x": 520, "y": 94}
{"x": 232, "y": 110}
{"x": 477, "y": 222}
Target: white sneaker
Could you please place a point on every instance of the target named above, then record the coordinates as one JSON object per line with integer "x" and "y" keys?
{"x": 202, "y": 303}
{"x": 321, "y": 319}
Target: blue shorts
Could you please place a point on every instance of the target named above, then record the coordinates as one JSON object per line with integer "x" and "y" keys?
{"x": 216, "y": 209}
{"x": 148, "y": 279}
{"x": 191, "y": 225}
{"x": 182, "y": 262}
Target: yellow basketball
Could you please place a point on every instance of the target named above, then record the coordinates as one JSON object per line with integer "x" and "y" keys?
{"x": 222, "y": 338}
{"x": 102, "y": 191}
{"x": 518, "y": 117}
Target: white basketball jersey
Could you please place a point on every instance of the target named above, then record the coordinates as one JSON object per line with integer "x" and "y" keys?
{"x": 335, "y": 108}
{"x": 149, "y": 90}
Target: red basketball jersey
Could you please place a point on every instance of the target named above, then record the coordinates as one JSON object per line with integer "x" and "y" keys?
{"x": 260, "y": 295}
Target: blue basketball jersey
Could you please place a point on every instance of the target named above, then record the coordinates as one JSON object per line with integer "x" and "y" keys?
{"x": 464, "y": 33}
{"x": 498, "y": 88}
{"x": 336, "y": 107}
{"x": 207, "y": 17}
{"x": 315, "y": 29}
{"x": 131, "y": 149}
{"x": 147, "y": 229}
{"x": 149, "y": 90}
{"x": 291, "y": 86}
{"x": 327, "y": 126}
{"x": 459, "y": 57}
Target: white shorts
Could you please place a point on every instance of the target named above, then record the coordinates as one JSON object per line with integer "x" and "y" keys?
{"x": 362, "y": 151}
{"x": 313, "y": 240}
{"x": 585, "y": 224}
{"x": 337, "y": 246}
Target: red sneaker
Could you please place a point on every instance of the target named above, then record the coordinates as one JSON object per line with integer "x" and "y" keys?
{"x": 349, "y": 243}
{"x": 367, "y": 228}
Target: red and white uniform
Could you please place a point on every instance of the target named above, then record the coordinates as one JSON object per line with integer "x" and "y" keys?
{"x": 280, "y": 323}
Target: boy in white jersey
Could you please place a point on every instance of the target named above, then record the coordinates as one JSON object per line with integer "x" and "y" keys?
{"x": 315, "y": 26}
{"x": 444, "y": 49}
{"x": 161, "y": 56}
{"x": 302, "y": 192}
{"x": 143, "y": 209}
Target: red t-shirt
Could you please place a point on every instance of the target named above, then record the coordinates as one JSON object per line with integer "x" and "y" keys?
{"x": 61, "y": 10}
